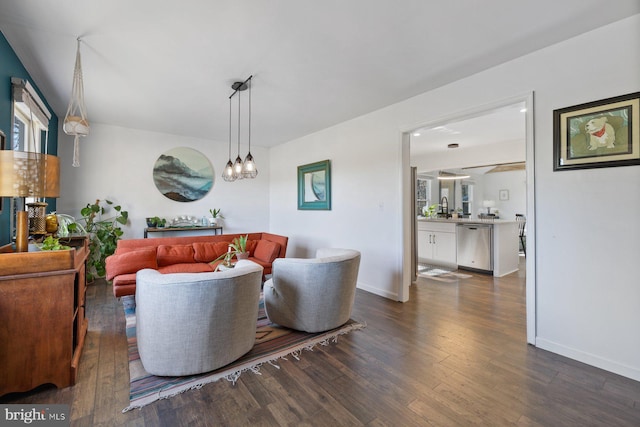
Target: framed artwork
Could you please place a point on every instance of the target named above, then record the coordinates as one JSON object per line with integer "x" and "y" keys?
{"x": 597, "y": 134}
{"x": 183, "y": 174}
{"x": 504, "y": 195}
{"x": 314, "y": 186}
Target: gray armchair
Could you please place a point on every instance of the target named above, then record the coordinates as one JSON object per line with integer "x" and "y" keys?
{"x": 313, "y": 295}
{"x": 189, "y": 323}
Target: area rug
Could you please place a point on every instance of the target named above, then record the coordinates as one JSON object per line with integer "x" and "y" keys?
{"x": 441, "y": 274}
{"x": 272, "y": 342}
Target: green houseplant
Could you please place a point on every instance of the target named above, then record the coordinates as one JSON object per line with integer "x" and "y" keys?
{"x": 430, "y": 211}
{"x": 215, "y": 216}
{"x": 103, "y": 234}
{"x": 156, "y": 222}
{"x": 239, "y": 247}
{"x": 51, "y": 243}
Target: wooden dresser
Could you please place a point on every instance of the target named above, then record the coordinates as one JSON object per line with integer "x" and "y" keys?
{"x": 42, "y": 316}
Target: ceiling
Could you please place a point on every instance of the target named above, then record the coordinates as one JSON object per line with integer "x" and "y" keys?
{"x": 168, "y": 66}
{"x": 506, "y": 124}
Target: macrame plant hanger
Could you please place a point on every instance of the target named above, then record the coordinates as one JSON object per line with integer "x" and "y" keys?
{"x": 75, "y": 121}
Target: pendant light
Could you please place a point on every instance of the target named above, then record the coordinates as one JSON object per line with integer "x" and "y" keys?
{"x": 227, "y": 173}
{"x": 239, "y": 169}
{"x": 249, "y": 167}
{"x": 237, "y": 166}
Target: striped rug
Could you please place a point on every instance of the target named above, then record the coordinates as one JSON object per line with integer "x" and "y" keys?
{"x": 272, "y": 342}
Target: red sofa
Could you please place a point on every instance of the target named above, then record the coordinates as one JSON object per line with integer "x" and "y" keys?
{"x": 184, "y": 255}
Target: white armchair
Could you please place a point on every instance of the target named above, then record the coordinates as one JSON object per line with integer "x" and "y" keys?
{"x": 313, "y": 295}
{"x": 189, "y": 323}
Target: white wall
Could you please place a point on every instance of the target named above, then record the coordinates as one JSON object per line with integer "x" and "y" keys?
{"x": 515, "y": 182}
{"x": 587, "y": 286}
{"x": 117, "y": 164}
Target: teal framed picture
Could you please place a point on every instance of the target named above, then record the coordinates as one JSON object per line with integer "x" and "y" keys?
{"x": 314, "y": 186}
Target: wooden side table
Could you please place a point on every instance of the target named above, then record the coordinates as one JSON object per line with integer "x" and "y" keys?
{"x": 42, "y": 313}
{"x": 182, "y": 229}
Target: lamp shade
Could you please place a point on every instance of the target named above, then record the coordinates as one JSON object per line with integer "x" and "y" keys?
{"x": 488, "y": 203}
{"x": 27, "y": 174}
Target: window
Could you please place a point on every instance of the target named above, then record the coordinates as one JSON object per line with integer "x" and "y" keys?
{"x": 423, "y": 194}
{"x": 30, "y": 118}
{"x": 467, "y": 198}
{"x": 30, "y": 130}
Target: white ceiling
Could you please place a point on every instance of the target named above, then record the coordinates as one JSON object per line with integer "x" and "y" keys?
{"x": 506, "y": 124}
{"x": 168, "y": 66}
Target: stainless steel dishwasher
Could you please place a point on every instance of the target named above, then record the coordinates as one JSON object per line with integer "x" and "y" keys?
{"x": 475, "y": 247}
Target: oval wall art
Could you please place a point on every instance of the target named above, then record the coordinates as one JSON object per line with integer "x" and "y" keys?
{"x": 183, "y": 174}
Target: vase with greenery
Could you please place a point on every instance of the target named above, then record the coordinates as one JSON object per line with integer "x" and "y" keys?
{"x": 103, "y": 234}
{"x": 430, "y": 211}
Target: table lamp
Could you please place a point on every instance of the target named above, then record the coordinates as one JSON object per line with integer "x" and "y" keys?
{"x": 488, "y": 204}
{"x": 27, "y": 174}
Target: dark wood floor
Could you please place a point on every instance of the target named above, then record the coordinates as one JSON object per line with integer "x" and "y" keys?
{"x": 455, "y": 355}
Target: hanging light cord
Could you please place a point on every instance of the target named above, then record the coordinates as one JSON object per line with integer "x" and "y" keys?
{"x": 239, "y": 97}
{"x": 249, "y": 132}
{"x": 229, "y": 128}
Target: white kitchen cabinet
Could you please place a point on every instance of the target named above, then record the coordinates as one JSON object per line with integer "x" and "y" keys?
{"x": 437, "y": 243}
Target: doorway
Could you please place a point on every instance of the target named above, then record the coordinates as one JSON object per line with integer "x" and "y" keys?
{"x": 409, "y": 211}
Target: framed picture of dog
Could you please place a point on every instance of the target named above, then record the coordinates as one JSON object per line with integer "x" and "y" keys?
{"x": 597, "y": 134}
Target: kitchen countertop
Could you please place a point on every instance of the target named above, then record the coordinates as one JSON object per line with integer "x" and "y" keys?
{"x": 467, "y": 220}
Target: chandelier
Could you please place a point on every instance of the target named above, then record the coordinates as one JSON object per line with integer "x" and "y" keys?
{"x": 239, "y": 169}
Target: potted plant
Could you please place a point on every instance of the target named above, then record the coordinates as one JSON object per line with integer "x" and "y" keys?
{"x": 51, "y": 243}
{"x": 239, "y": 247}
{"x": 215, "y": 216}
{"x": 156, "y": 222}
{"x": 103, "y": 234}
{"x": 430, "y": 211}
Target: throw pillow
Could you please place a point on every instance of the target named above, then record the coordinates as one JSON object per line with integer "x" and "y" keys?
{"x": 174, "y": 254}
{"x": 251, "y": 246}
{"x": 266, "y": 251}
{"x": 209, "y": 251}
{"x": 131, "y": 262}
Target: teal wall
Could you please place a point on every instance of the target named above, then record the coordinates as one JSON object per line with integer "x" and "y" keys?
{"x": 10, "y": 66}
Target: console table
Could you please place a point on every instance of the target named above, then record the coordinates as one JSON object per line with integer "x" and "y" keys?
{"x": 182, "y": 229}
{"x": 42, "y": 313}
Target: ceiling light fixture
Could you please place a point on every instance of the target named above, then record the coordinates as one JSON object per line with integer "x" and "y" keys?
{"x": 449, "y": 176}
{"x": 240, "y": 169}
{"x": 237, "y": 166}
{"x": 227, "y": 173}
{"x": 249, "y": 167}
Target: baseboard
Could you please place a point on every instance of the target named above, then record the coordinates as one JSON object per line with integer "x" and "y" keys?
{"x": 376, "y": 291}
{"x": 590, "y": 359}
